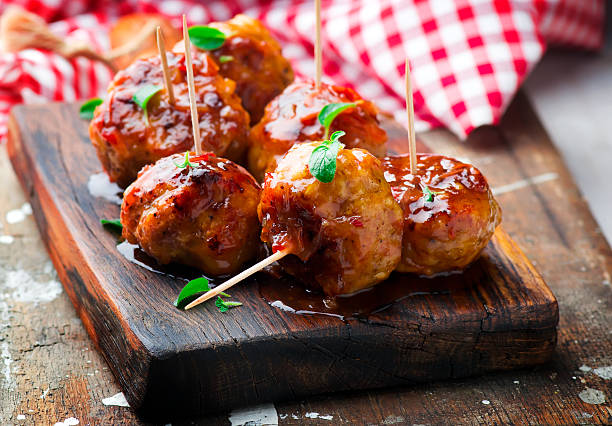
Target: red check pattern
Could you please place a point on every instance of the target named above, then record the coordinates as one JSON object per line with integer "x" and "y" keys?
{"x": 468, "y": 57}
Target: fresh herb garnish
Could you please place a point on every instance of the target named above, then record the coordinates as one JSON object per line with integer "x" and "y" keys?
{"x": 428, "y": 193}
{"x": 86, "y": 112}
{"x": 225, "y": 58}
{"x": 192, "y": 289}
{"x": 185, "y": 163}
{"x": 206, "y": 38}
{"x": 330, "y": 112}
{"x": 143, "y": 96}
{"x": 322, "y": 162}
{"x": 225, "y": 306}
{"x": 114, "y": 224}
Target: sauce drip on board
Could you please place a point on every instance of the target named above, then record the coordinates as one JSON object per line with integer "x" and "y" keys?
{"x": 285, "y": 293}
{"x": 134, "y": 254}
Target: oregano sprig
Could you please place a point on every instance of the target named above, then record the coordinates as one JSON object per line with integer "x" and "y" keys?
{"x": 322, "y": 162}
{"x": 143, "y": 96}
{"x": 86, "y": 112}
{"x": 114, "y": 224}
{"x": 330, "y": 112}
{"x": 428, "y": 193}
{"x": 206, "y": 38}
{"x": 192, "y": 289}
{"x": 185, "y": 163}
{"x": 224, "y": 305}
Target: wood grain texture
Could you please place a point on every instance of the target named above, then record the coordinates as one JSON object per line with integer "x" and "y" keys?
{"x": 199, "y": 362}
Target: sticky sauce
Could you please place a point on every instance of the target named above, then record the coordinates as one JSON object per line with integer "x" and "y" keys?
{"x": 286, "y": 294}
{"x": 137, "y": 256}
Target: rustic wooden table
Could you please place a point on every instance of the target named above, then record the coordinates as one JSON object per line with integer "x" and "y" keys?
{"x": 51, "y": 372}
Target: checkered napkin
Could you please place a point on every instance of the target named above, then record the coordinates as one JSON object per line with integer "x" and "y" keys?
{"x": 468, "y": 57}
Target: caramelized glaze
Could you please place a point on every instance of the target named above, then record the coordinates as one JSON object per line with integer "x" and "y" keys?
{"x": 125, "y": 142}
{"x": 257, "y": 65}
{"x": 203, "y": 216}
{"x": 344, "y": 235}
{"x": 292, "y": 117}
{"x": 448, "y": 232}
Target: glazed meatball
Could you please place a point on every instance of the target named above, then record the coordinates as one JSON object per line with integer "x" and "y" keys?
{"x": 126, "y": 140}
{"x": 203, "y": 215}
{"x": 293, "y": 117}
{"x": 344, "y": 235}
{"x": 449, "y": 212}
{"x": 253, "y": 59}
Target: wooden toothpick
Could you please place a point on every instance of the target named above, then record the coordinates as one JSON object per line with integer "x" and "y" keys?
{"x": 318, "y": 52}
{"x": 410, "y": 110}
{"x": 241, "y": 276}
{"x": 161, "y": 46}
{"x": 195, "y": 122}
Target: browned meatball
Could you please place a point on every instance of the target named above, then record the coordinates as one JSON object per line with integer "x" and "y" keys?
{"x": 203, "y": 216}
{"x": 125, "y": 142}
{"x": 446, "y": 229}
{"x": 256, "y": 65}
{"x": 293, "y": 117}
{"x": 344, "y": 235}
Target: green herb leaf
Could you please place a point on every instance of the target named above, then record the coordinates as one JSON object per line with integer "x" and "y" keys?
{"x": 428, "y": 193}
{"x": 114, "y": 224}
{"x": 330, "y": 112}
{"x": 225, "y": 306}
{"x": 185, "y": 163}
{"x": 192, "y": 289}
{"x": 225, "y": 58}
{"x": 86, "y": 112}
{"x": 143, "y": 96}
{"x": 322, "y": 162}
{"x": 206, "y": 38}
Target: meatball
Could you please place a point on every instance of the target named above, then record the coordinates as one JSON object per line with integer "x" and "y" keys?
{"x": 253, "y": 59}
{"x": 203, "y": 215}
{"x": 344, "y": 235}
{"x": 293, "y": 117}
{"x": 126, "y": 140}
{"x": 449, "y": 212}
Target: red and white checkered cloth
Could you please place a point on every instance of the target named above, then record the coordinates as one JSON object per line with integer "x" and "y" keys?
{"x": 468, "y": 57}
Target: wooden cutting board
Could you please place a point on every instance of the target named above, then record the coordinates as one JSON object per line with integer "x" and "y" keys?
{"x": 498, "y": 315}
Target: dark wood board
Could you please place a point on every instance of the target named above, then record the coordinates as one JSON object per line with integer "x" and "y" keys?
{"x": 200, "y": 361}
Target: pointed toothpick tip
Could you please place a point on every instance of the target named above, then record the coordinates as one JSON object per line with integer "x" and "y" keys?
{"x": 240, "y": 277}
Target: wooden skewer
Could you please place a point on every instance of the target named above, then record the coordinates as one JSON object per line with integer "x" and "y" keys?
{"x": 195, "y": 121}
{"x": 241, "y": 276}
{"x": 161, "y": 46}
{"x": 318, "y": 53}
{"x": 410, "y": 110}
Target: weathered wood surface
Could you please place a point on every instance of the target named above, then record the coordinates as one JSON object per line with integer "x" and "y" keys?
{"x": 171, "y": 364}
{"x": 41, "y": 344}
